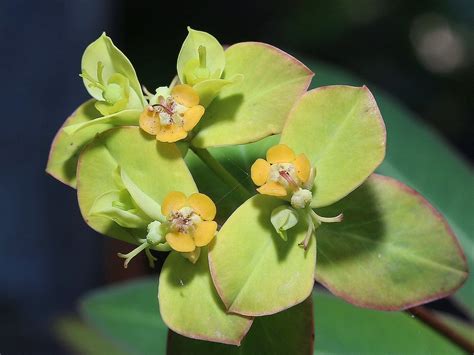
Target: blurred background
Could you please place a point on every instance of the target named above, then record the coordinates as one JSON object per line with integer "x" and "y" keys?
{"x": 419, "y": 51}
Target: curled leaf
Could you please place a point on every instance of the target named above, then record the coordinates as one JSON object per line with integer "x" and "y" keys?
{"x": 107, "y": 72}
{"x": 201, "y": 58}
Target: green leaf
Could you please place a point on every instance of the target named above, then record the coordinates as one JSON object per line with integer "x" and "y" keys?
{"x": 392, "y": 251}
{"x": 65, "y": 149}
{"x": 341, "y": 328}
{"x": 112, "y": 61}
{"x": 189, "y": 61}
{"x": 78, "y": 338}
{"x": 256, "y": 272}
{"x": 122, "y": 118}
{"x": 149, "y": 206}
{"x": 420, "y": 158}
{"x": 128, "y": 315}
{"x": 104, "y": 206}
{"x": 190, "y": 305}
{"x": 341, "y": 131}
{"x": 288, "y": 332}
{"x": 155, "y": 168}
{"x": 259, "y": 105}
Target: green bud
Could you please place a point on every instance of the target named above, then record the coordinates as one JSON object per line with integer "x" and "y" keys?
{"x": 284, "y": 218}
{"x": 156, "y": 233}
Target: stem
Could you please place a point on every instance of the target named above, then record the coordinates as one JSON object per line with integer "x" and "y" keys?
{"x": 220, "y": 171}
{"x": 437, "y": 324}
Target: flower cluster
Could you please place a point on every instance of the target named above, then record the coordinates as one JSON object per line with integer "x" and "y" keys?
{"x": 139, "y": 161}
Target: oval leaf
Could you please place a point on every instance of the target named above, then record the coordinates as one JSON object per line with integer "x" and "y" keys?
{"x": 114, "y": 61}
{"x": 156, "y": 168}
{"x": 259, "y": 105}
{"x": 256, "y": 272}
{"x": 341, "y": 131}
{"x": 288, "y": 332}
{"x": 65, "y": 149}
{"x": 128, "y": 315}
{"x": 190, "y": 305}
{"x": 392, "y": 251}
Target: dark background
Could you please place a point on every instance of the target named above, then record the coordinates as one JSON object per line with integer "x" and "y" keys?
{"x": 419, "y": 51}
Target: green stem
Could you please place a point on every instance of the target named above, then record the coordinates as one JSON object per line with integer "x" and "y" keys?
{"x": 221, "y": 172}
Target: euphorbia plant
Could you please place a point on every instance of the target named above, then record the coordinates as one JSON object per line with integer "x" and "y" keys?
{"x": 319, "y": 212}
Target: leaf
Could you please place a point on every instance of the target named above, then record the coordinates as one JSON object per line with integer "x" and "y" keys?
{"x": 341, "y": 131}
{"x": 81, "y": 339}
{"x": 190, "y": 305}
{"x": 151, "y": 208}
{"x": 122, "y": 118}
{"x": 155, "y": 168}
{"x": 420, "y": 158}
{"x": 288, "y": 332}
{"x": 259, "y": 105}
{"x": 128, "y": 315}
{"x": 341, "y": 328}
{"x": 113, "y": 61}
{"x": 256, "y": 272}
{"x": 189, "y": 55}
{"x": 392, "y": 251}
{"x": 65, "y": 149}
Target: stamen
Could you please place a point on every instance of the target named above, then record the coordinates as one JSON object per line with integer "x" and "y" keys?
{"x": 284, "y": 174}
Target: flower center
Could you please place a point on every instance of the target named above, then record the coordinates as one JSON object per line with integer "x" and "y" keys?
{"x": 183, "y": 220}
{"x": 169, "y": 111}
{"x": 285, "y": 174}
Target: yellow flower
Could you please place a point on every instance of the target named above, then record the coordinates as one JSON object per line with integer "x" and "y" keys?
{"x": 284, "y": 174}
{"x": 190, "y": 221}
{"x": 174, "y": 116}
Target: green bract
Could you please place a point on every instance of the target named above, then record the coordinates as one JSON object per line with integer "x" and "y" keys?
{"x": 201, "y": 58}
{"x": 98, "y": 168}
{"x": 110, "y": 78}
{"x": 347, "y": 140}
{"x": 190, "y": 305}
{"x": 201, "y": 62}
{"x": 255, "y": 271}
{"x": 378, "y": 257}
{"x": 258, "y": 105}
